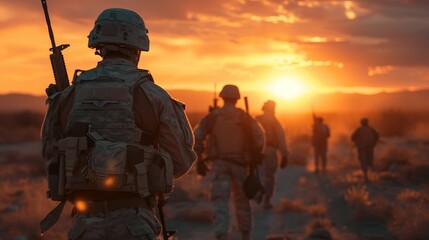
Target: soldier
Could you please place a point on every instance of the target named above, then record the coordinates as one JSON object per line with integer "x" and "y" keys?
{"x": 321, "y": 133}
{"x": 114, "y": 140}
{"x": 365, "y": 138}
{"x": 227, "y": 146}
{"x": 275, "y": 140}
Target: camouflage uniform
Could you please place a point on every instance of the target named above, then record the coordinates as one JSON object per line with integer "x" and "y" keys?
{"x": 275, "y": 138}
{"x": 365, "y": 139}
{"x": 229, "y": 172}
{"x": 321, "y": 133}
{"x": 163, "y": 122}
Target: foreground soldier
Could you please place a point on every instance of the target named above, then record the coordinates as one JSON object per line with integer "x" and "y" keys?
{"x": 227, "y": 128}
{"x": 114, "y": 140}
{"x": 275, "y": 140}
{"x": 321, "y": 133}
{"x": 365, "y": 139}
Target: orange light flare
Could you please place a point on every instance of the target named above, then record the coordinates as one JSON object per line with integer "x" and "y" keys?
{"x": 80, "y": 206}
{"x": 109, "y": 182}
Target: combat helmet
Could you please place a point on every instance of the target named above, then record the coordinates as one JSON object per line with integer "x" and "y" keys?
{"x": 120, "y": 27}
{"x": 269, "y": 106}
{"x": 230, "y": 92}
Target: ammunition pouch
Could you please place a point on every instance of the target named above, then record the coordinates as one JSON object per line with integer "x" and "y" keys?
{"x": 95, "y": 163}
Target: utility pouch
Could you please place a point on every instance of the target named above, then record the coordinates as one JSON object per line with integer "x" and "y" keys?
{"x": 142, "y": 168}
{"x": 108, "y": 163}
{"x": 160, "y": 175}
{"x": 53, "y": 170}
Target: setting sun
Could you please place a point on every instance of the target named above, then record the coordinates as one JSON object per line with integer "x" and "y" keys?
{"x": 287, "y": 88}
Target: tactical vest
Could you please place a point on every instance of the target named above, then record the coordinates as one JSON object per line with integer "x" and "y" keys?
{"x": 102, "y": 150}
{"x": 227, "y": 136}
{"x": 366, "y": 137}
{"x": 269, "y": 125}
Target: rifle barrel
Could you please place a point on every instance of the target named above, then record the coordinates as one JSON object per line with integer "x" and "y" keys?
{"x": 48, "y": 22}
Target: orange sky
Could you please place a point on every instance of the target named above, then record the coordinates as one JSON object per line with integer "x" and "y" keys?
{"x": 351, "y": 46}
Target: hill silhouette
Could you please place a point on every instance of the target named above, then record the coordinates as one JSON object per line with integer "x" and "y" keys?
{"x": 198, "y": 101}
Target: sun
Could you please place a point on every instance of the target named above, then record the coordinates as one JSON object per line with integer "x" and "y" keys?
{"x": 288, "y": 88}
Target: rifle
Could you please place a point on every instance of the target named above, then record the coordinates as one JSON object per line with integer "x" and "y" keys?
{"x": 57, "y": 58}
{"x": 252, "y": 185}
{"x": 215, "y": 99}
{"x": 166, "y": 234}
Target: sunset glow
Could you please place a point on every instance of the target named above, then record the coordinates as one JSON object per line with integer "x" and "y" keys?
{"x": 337, "y": 44}
{"x": 288, "y": 88}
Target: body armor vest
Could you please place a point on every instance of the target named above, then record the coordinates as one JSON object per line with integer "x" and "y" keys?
{"x": 101, "y": 150}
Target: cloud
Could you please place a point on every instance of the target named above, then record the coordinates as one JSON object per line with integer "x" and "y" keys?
{"x": 341, "y": 42}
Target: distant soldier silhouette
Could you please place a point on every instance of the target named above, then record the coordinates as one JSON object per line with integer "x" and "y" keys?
{"x": 221, "y": 135}
{"x": 275, "y": 141}
{"x": 321, "y": 134}
{"x": 114, "y": 140}
{"x": 365, "y": 139}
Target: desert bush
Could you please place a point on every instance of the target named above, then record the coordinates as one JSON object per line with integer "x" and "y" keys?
{"x": 408, "y": 195}
{"x": 411, "y": 222}
{"x": 286, "y": 205}
{"x": 317, "y": 210}
{"x": 357, "y": 196}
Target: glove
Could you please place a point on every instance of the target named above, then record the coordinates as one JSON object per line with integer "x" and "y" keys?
{"x": 51, "y": 89}
{"x": 202, "y": 169}
{"x": 283, "y": 162}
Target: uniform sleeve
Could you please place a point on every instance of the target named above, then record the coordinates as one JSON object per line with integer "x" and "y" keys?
{"x": 200, "y": 136}
{"x": 174, "y": 134}
{"x": 281, "y": 139}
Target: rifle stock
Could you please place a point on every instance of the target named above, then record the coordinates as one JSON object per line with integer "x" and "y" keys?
{"x": 57, "y": 58}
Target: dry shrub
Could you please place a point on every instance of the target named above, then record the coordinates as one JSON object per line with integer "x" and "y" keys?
{"x": 357, "y": 196}
{"x": 408, "y": 195}
{"x": 373, "y": 176}
{"x": 411, "y": 223}
{"x": 195, "y": 215}
{"x": 388, "y": 176}
{"x": 320, "y": 229}
{"x": 286, "y": 205}
{"x": 317, "y": 210}
{"x": 377, "y": 211}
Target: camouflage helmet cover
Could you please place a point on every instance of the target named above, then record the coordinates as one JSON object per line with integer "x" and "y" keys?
{"x": 230, "y": 92}
{"x": 121, "y": 27}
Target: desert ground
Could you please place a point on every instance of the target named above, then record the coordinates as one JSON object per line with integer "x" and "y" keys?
{"x": 336, "y": 205}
